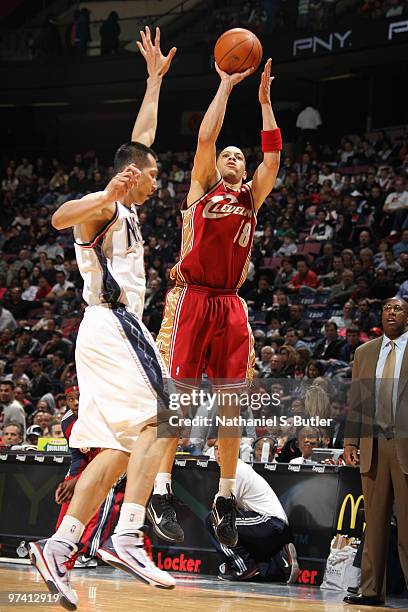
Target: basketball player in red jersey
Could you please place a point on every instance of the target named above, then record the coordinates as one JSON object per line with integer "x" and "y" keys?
{"x": 205, "y": 324}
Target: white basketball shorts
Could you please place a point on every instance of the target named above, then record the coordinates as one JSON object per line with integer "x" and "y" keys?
{"x": 120, "y": 376}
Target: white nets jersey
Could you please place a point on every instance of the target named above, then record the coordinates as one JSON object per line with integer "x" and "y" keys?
{"x": 112, "y": 264}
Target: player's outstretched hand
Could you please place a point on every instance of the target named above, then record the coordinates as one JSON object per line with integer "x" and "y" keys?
{"x": 122, "y": 182}
{"x": 235, "y": 78}
{"x": 157, "y": 63}
{"x": 264, "y": 93}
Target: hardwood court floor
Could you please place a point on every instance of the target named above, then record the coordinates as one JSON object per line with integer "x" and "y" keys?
{"x": 107, "y": 590}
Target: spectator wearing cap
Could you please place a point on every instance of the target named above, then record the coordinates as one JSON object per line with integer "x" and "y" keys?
{"x": 13, "y": 434}
{"x": 330, "y": 346}
{"x": 320, "y": 230}
{"x": 10, "y": 408}
{"x": 305, "y": 277}
{"x": 40, "y": 382}
{"x": 26, "y": 345}
{"x": 288, "y": 247}
{"x": 33, "y": 433}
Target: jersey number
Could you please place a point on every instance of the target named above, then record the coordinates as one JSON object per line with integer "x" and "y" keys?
{"x": 244, "y": 235}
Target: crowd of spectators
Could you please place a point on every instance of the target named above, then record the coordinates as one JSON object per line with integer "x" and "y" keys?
{"x": 264, "y": 16}
{"x": 331, "y": 243}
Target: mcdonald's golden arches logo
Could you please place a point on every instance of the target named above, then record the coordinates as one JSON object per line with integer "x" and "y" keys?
{"x": 354, "y": 507}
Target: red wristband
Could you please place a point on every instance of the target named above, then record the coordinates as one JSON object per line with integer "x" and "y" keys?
{"x": 271, "y": 140}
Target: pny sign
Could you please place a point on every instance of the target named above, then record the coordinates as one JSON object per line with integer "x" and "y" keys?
{"x": 333, "y": 42}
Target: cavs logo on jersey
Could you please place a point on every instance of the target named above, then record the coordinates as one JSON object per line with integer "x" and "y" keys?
{"x": 224, "y": 205}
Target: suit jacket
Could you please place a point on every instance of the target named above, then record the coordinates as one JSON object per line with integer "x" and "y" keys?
{"x": 333, "y": 350}
{"x": 360, "y": 421}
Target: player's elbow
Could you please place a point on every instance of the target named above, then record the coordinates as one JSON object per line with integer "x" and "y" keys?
{"x": 57, "y": 221}
{"x": 146, "y": 138}
{"x": 206, "y": 138}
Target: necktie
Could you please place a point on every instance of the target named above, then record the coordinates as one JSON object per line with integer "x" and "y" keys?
{"x": 385, "y": 413}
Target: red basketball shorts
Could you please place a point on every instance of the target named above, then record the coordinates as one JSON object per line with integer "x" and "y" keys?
{"x": 206, "y": 329}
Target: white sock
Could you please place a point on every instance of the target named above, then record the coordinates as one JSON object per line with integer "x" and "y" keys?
{"x": 131, "y": 518}
{"x": 160, "y": 484}
{"x": 70, "y": 529}
{"x": 227, "y": 486}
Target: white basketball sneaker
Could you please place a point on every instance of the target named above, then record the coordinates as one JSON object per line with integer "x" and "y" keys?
{"x": 49, "y": 557}
{"x": 125, "y": 551}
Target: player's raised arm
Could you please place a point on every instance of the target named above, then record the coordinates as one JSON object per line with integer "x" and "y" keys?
{"x": 204, "y": 173}
{"x": 144, "y": 130}
{"x": 265, "y": 174}
{"x": 99, "y": 206}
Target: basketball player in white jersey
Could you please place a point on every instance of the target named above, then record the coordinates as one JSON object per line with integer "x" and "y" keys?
{"x": 120, "y": 371}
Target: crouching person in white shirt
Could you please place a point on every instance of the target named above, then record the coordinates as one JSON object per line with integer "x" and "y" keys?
{"x": 264, "y": 548}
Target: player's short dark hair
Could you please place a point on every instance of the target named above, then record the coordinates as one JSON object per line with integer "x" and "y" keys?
{"x": 132, "y": 153}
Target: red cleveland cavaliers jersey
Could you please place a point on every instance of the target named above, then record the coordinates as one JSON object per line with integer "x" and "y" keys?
{"x": 217, "y": 235}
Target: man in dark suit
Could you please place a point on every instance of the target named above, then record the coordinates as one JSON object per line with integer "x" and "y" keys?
{"x": 377, "y": 424}
{"x": 331, "y": 345}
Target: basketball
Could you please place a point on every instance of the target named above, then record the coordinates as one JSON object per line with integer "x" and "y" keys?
{"x": 237, "y": 50}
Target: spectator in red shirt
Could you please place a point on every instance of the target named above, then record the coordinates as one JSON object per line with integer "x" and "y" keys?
{"x": 305, "y": 277}
{"x": 44, "y": 289}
